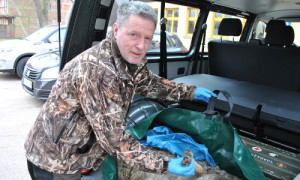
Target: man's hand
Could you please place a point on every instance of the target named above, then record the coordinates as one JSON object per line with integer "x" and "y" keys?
{"x": 203, "y": 94}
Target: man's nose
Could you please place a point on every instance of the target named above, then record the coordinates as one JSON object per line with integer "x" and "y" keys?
{"x": 141, "y": 43}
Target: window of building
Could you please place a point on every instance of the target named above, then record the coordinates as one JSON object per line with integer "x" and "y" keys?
{"x": 3, "y": 7}
{"x": 172, "y": 17}
{"x": 192, "y": 19}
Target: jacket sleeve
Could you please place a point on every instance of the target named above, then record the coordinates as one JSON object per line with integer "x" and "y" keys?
{"x": 153, "y": 86}
{"x": 100, "y": 103}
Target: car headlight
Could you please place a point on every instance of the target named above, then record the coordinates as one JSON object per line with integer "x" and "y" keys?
{"x": 51, "y": 73}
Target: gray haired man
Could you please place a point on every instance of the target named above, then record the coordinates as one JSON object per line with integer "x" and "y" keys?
{"x": 83, "y": 119}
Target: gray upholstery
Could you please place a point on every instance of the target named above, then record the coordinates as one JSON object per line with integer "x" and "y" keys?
{"x": 275, "y": 66}
{"x": 272, "y": 66}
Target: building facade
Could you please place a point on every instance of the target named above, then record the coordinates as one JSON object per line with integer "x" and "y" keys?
{"x": 18, "y": 18}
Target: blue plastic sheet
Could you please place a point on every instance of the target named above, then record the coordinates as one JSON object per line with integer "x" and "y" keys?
{"x": 176, "y": 143}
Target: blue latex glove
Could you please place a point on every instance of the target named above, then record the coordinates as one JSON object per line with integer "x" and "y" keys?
{"x": 203, "y": 94}
{"x": 175, "y": 167}
{"x": 176, "y": 143}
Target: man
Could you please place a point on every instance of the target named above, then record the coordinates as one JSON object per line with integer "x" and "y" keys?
{"x": 83, "y": 119}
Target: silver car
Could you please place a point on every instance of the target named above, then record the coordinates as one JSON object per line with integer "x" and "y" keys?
{"x": 40, "y": 74}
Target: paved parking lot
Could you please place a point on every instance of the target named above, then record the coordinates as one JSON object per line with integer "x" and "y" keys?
{"x": 18, "y": 111}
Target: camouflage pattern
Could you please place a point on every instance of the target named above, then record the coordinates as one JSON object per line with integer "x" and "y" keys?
{"x": 95, "y": 89}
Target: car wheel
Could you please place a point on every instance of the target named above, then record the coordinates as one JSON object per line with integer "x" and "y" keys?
{"x": 21, "y": 65}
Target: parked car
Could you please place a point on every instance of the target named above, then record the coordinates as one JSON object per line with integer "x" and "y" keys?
{"x": 40, "y": 74}
{"x": 15, "y": 53}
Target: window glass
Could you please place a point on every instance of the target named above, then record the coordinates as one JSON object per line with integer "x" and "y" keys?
{"x": 218, "y": 15}
{"x": 41, "y": 33}
{"x": 176, "y": 13}
{"x": 191, "y": 27}
{"x": 192, "y": 19}
{"x": 169, "y": 13}
{"x": 55, "y": 36}
{"x": 3, "y": 7}
{"x": 175, "y": 23}
{"x": 193, "y": 12}
{"x": 296, "y": 27}
{"x": 172, "y": 17}
{"x": 260, "y": 30}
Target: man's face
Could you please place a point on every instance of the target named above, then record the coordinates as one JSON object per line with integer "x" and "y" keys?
{"x": 134, "y": 38}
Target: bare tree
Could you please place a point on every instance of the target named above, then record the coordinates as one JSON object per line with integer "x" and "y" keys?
{"x": 42, "y": 7}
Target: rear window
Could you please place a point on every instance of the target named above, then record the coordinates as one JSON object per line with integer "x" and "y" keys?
{"x": 260, "y": 31}
{"x": 296, "y": 27}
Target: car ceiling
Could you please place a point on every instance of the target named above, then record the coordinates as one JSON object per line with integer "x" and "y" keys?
{"x": 272, "y": 9}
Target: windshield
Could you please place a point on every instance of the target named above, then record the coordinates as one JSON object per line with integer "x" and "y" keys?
{"x": 40, "y": 34}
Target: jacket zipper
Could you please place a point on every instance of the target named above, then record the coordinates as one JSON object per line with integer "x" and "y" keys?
{"x": 127, "y": 111}
{"x": 68, "y": 121}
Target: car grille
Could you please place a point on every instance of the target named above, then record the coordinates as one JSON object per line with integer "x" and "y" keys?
{"x": 31, "y": 73}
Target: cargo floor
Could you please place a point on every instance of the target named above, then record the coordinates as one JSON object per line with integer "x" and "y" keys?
{"x": 274, "y": 162}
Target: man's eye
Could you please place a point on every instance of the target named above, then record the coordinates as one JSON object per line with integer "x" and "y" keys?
{"x": 148, "y": 39}
{"x": 133, "y": 35}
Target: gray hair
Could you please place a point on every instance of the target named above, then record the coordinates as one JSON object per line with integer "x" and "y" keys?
{"x": 135, "y": 8}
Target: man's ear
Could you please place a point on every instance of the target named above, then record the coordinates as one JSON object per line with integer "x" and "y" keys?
{"x": 115, "y": 29}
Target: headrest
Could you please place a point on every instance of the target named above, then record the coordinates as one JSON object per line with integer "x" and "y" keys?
{"x": 230, "y": 27}
{"x": 273, "y": 24}
{"x": 279, "y": 34}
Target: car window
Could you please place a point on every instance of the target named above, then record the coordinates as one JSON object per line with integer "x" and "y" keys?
{"x": 40, "y": 34}
{"x": 55, "y": 37}
{"x": 296, "y": 27}
{"x": 260, "y": 30}
{"x": 179, "y": 27}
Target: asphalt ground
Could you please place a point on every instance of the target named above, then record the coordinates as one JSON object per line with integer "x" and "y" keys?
{"x": 18, "y": 111}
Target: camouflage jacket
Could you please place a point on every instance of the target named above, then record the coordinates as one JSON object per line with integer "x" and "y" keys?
{"x": 91, "y": 97}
